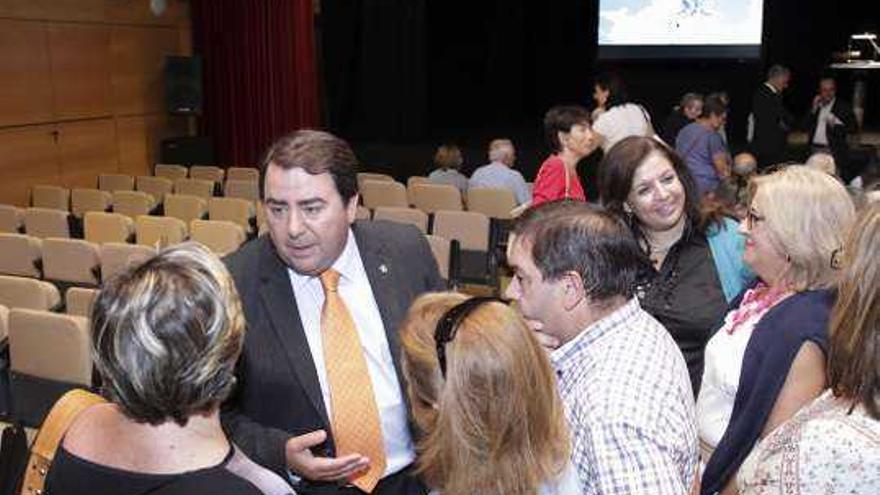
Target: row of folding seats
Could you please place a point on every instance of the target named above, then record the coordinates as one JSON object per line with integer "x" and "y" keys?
{"x": 78, "y": 261}
{"x": 206, "y": 172}
{"x": 46, "y": 222}
{"x": 473, "y": 259}
{"x": 430, "y": 197}
{"x": 148, "y": 190}
{"x": 30, "y": 293}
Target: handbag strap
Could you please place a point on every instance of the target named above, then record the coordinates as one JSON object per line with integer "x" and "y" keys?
{"x": 59, "y": 419}
{"x": 567, "y": 182}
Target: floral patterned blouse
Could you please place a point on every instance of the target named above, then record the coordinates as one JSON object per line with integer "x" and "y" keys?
{"x": 824, "y": 449}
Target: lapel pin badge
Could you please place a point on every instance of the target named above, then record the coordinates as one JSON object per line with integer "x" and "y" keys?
{"x": 383, "y": 269}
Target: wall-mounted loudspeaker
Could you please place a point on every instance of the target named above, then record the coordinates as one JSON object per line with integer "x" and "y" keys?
{"x": 183, "y": 85}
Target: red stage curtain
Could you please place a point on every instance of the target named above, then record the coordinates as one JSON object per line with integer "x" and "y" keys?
{"x": 260, "y": 73}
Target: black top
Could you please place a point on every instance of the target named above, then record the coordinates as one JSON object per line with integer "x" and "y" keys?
{"x": 674, "y": 123}
{"x": 236, "y": 475}
{"x": 686, "y": 296}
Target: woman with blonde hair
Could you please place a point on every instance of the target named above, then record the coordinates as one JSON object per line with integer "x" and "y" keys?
{"x": 833, "y": 445}
{"x": 484, "y": 396}
{"x": 768, "y": 358}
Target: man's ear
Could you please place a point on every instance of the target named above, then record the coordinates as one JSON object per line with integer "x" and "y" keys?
{"x": 352, "y": 207}
{"x": 573, "y": 289}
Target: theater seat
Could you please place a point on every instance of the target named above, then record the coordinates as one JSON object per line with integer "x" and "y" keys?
{"x": 116, "y": 257}
{"x": 11, "y": 219}
{"x": 21, "y": 255}
{"x": 170, "y": 171}
{"x": 46, "y": 222}
{"x": 28, "y": 293}
{"x": 219, "y": 236}
{"x": 71, "y": 261}
{"x": 55, "y": 197}
{"x": 79, "y": 301}
{"x": 49, "y": 355}
{"x": 159, "y": 231}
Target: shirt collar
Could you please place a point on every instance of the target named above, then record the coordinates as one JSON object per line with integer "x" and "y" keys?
{"x": 345, "y": 264}
{"x": 566, "y": 355}
{"x": 772, "y": 88}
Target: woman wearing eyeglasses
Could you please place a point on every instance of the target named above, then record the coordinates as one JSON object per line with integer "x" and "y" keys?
{"x": 695, "y": 266}
{"x": 484, "y": 396}
{"x": 833, "y": 445}
{"x": 768, "y": 358}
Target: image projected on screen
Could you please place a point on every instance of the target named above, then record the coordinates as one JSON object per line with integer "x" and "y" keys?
{"x": 679, "y": 28}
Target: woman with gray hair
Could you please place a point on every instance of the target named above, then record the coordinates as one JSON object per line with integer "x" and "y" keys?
{"x": 165, "y": 339}
{"x": 768, "y": 358}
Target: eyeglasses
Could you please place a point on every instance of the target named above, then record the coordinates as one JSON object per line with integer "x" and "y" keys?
{"x": 448, "y": 325}
{"x": 752, "y": 218}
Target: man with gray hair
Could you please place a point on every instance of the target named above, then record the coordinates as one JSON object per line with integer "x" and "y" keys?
{"x": 690, "y": 107}
{"x": 770, "y": 121}
{"x": 499, "y": 174}
{"x": 623, "y": 381}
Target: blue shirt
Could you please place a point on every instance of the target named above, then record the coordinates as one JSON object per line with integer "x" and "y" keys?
{"x": 697, "y": 144}
{"x": 499, "y": 176}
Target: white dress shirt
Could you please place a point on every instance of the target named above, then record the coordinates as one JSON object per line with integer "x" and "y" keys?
{"x": 823, "y": 120}
{"x": 356, "y": 292}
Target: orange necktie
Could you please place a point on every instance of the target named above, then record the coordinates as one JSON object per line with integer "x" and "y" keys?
{"x": 356, "y": 427}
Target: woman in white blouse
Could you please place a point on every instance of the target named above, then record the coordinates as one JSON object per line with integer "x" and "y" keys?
{"x": 615, "y": 116}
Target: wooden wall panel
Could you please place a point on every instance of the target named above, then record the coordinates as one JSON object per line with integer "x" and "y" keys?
{"x": 133, "y": 143}
{"x": 138, "y": 12}
{"x": 81, "y": 69}
{"x": 26, "y": 91}
{"x": 138, "y": 139}
{"x": 60, "y": 10}
{"x": 138, "y": 61}
{"x": 92, "y": 70}
{"x": 29, "y": 156}
{"x": 86, "y": 148}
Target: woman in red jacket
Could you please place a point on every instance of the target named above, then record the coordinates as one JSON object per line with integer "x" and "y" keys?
{"x": 568, "y": 132}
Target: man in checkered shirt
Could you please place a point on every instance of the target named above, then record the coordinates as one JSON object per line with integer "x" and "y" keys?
{"x": 623, "y": 381}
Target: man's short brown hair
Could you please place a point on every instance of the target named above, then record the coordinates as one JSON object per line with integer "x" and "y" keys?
{"x": 316, "y": 152}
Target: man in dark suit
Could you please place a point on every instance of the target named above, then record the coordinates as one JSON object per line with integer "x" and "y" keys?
{"x": 289, "y": 409}
{"x": 829, "y": 122}
{"x": 770, "y": 120}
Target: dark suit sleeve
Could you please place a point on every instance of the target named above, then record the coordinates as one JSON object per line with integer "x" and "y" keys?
{"x": 843, "y": 111}
{"x": 264, "y": 445}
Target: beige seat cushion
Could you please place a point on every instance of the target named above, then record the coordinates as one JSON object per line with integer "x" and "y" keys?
{"x": 29, "y": 293}
{"x": 52, "y": 346}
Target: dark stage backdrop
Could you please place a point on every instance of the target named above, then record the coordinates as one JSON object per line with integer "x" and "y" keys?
{"x": 407, "y": 70}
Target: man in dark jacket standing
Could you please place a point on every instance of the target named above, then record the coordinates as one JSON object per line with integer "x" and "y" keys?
{"x": 770, "y": 120}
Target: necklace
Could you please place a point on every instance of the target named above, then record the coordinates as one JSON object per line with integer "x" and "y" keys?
{"x": 661, "y": 242}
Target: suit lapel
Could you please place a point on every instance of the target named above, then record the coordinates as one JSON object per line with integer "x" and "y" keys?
{"x": 384, "y": 281}
{"x": 277, "y": 295}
